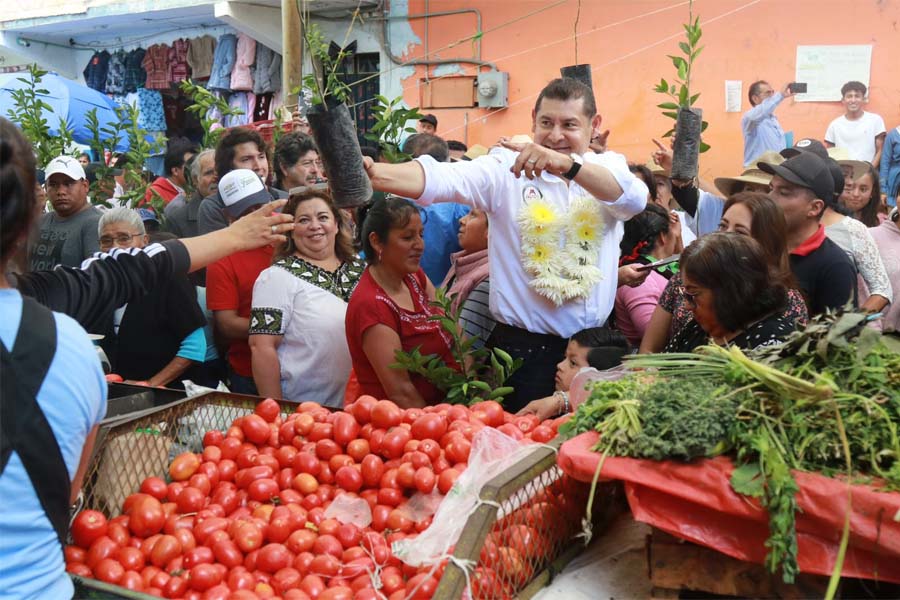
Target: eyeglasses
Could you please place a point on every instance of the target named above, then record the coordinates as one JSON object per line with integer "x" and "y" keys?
{"x": 688, "y": 296}
{"x": 123, "y": 238}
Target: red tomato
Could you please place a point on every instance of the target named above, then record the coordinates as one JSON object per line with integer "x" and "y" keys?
{"x": 306, "y": 462}
{"x": 230, "y": 447}
{"x": 176, "y": 587}
{"x": 146, "y": 517}
{"x": 424, "y": 480}
{"x": 391, "y": 580}
{"x": 406, "y": 476}
{"x": 191, "y": 500}
{"x": 490, "y": 412}
{"x": 186, "y": 537}
{"x": 328, "y": 544}
{"x": 213, "y": 437}
{"x": 386, "y": 414}
{"x": 348, "y": 535}
{"x": 184, "y": 466}
{"x": 327, "y": 448}
{"x": 131, "y": 580}
{"x": 164, "y": 550}
{"x": 263, "y": 490}
{"x": 212, "y": 454}
{"x": 74, "y": 554}
{"x": 87, "y": 527}
{"x": 339, "y": 592}
{"x": 340, "y": 460}
{"x": 513, "y": 566}
{"x": 203, "y": 528}
{"x": 227, "y": 553}
{"x": 154, "y": 486}
{"x": 421, "y": 587}
{"x": 108, "y": 570}
{"x": 313, "y": 585}
{"x": 268, "y": 409}
{"x": 286, "y": 579}
{"x": 349, "y": 479}
{"x": 346, "y": 429}
{"x": 397, "y": 521}
{"x": 131, "y": 559}
{"x": 118, "y": 533}
{"x": 255, "y": 429}
{"x": 248, "y": 536}
{"x": 201, "y": 555}
{"x": 512, "y": 431}
{"x": 204, "y": 576}
{"x": 526, "y": 541}
{"x": 273, "y": 557}
{"x": 358, "y": 449}
{"x": 429, "y": 427}
{"x": 380, "y": 513}
{"x": 458, "y": 451}
{"x": 526, "y": 423}
{"x": 372, "y": 469}
{"x": 362, "y": 408}
{"x": 240, "y": 578}
{"x": 278, "y": 529}
{"x": 446, "y": 480}
{"x": 305, "y": 483}
{"x": 394, "y": 441}
{"x": 245, "y": 477}
{"x": 321, "y": 431}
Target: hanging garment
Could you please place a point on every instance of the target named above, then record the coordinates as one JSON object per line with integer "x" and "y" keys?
{"x": 267, "y": 71}
{"x": 200, "y": 56}
{"x": 135, "y": 75}
{"x": 241, "y": 75}
{"x": 149, "y": 103}
{"x": 115, "y": 74}
{"x": 156, "y": 63}
{"x": 242, "y": 102}
{"x": 262, "y": 108}
{"x": 223, "y": 63}
{"x": 95, "y": 71}
{"x": 178, "y": 65}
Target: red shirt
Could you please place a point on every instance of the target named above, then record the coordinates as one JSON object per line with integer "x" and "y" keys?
{"x": 229, "y": 286}
{"x": 371, "y": 305}
{"x": 162, "y": 186}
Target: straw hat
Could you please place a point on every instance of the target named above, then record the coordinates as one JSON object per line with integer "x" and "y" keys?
{"x": 655, "y": 169}
{"x": 730, "y": 185}
{"x": 860, "y": 167}
{"x": 520, "y": 138}
{"x": 474, "y": 152}
{"x": 838, "y": 153}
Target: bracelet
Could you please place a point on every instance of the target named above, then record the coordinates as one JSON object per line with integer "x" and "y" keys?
{"x": 565, "y": 398}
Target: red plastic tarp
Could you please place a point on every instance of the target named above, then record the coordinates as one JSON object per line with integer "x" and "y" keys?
{"x": 694, "y": 501}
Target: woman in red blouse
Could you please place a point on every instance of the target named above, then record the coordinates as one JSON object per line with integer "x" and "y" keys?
{"x": 390, "y": 310}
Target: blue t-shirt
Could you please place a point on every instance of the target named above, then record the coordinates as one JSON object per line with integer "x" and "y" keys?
{"x": 441, "y": 228}
{"x": 73, "y": 398}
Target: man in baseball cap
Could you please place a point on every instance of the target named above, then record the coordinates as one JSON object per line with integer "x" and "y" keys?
{"x": 427, "y": 124}
{"x": 816, "y": 147}
{"x": 229, "y": 282}
{"x": 68, "y": 234}
{"x": 800, "y": 186}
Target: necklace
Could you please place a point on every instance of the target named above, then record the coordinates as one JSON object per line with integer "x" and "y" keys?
{"x": 560, "y": 249}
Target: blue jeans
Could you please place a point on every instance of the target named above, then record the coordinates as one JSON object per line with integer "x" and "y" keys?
{"x": 240, "y": 384}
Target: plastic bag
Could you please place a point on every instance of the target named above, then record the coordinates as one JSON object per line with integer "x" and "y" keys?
{"x": 347, "y": 509}
{"x": 492, "y": 453}
{"x": 580, "y": 389}
{"x": 192, "y": 389}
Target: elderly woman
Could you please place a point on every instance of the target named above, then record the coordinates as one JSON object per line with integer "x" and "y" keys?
{"x": 390, "y": 309}
{"x": 735, "y": 296}
{"x": 297, "y": 341}
{"x": 159, "y": 337}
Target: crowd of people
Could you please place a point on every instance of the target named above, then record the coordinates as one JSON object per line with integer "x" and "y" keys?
{"x": 556, "y": 249}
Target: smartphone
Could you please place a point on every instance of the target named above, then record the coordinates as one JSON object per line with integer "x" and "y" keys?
{"x": 659, "y": 263}
{"x": 797, "y": 88}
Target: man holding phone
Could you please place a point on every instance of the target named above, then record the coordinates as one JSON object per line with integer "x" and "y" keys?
{"x": 760, "y": 126}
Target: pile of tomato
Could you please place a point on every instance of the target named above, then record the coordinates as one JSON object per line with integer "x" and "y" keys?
{"x": 246, "y": 517}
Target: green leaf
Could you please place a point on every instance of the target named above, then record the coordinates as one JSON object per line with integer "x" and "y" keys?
{"x": 683, "y": 96}
{"x": 703, "y": 126}
{"x": 668, "y": 106}
{"x": 748, "y": 480}
{"x": 683, "y": 72}
{"x": 704, "y": 147}
{"x": 685, "y": 48}
{"x": 696, "y": 53}
{"x": 678, "y": 62}
{"x": 693, "y": 99}
{"x": 671, "y": 115}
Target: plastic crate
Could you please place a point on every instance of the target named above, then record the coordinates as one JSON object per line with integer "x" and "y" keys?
{"x": 91, "y": 589}
{"x": 534, "y": 479}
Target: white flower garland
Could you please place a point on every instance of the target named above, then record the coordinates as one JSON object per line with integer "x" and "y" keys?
{"x": 560, "y": 249}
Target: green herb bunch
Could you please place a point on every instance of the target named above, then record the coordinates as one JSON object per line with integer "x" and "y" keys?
{"x": 391, "y": 119}
{"x": 482, "y": 372}
{"x": 29, "y": 115}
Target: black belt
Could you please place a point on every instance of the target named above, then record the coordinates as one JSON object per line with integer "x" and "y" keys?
{"x": 516, "y": 335}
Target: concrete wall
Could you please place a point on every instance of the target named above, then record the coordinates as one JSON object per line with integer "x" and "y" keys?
{"x": 627, "y": 41}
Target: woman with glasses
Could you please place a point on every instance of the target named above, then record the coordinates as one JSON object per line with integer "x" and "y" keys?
{"x": 736, "y": 297}
{"x": 159, "y": 337}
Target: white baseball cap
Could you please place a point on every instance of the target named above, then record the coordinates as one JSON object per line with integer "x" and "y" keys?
{"x": 68, "y": 166}
{"x": 241, "y": 189}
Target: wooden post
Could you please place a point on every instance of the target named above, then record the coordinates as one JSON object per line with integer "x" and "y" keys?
{"x": 292, "y": 50}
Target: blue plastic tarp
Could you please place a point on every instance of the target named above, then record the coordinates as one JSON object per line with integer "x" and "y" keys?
{"x": 69, "y": 100}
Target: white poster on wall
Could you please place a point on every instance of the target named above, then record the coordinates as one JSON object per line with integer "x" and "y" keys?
{"x": 733, "y": 95}
{"x": 824, "y": 69}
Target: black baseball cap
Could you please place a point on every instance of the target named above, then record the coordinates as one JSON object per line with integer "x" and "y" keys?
{"x": 806, "y": 170}
{"x": 91, "y": 170}
{"x": 429, "y": 118}
{"x": 806, "y": 145}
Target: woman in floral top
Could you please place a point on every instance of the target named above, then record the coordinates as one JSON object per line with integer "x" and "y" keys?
{"x": 751, "y": 214}
{"x": 299, "y": 351}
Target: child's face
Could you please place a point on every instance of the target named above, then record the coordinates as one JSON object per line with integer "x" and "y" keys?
{"x": 568, "y": 367}
{"x": 853, "y": 101}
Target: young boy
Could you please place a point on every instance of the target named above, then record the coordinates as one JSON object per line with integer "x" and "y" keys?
{"x": 860, "y": 132}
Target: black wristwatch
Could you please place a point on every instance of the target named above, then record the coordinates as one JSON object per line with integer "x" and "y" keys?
{"x": 577, "y": 161}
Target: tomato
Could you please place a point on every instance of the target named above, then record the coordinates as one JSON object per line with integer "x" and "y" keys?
{"x": 372, "y": 469}
{"x": 328, "y": 544}
{"x": 74, "y": 554}
{"x": 349, "y": 479}
{"x": 198, "y": 556}
{"x": 154, "y": 486}
{"x": 385, "y": 414}
{"x": 108, "y": 570}
{"x": 305, "y": 483}
{"x": 230, "y": 447}
{"x": 87, "y": 527}
{"x": 513, "y": 566}
{"x": 191, "y": 500}
{"x": 390, "y": 496}
{"x": 146, "y": 517}
{"x": 424, "y": 480}
{"x": 245, "y": 477}
{"x": 340, "y": 592}
{"x": 204, "y": 576}
{"x": 131, "y": 580}
{"x": 301, "y": 540}
{"x": 203, "y": 528}
{"x": 255, "y": 429}
{"x": 325, "y": 565}
{"x": 346, "y": 429}
{"x": 164, "y": 550}
{"x": 286, "y": 579}
{"x": 268, "y": 409}
{"x": 227, "y": 553}
{"x": 248, "y": 536}
{"x": 406, "y": 476}
{"x": 240, "y": 578}
{"x": 184, "y": 466}
{"x": 176, "y": 587}
{"x": 421, "y": 586}
{"x": 213, "y": 437}
{"x": 101, "y": 548}
{"x": 490, "y": 412}
{"x": 394, "y": 441}
{"x": 397, "y": 521}
{"x": 321, "y": 431}
{"x": 327, "y": 448}
{"x": 526, "y": 423}
{"x": 273, "y": 557}
{"x": 542, "y": 434}
{"x": 362, "y": 408}
{"x": 446, "y": 480}
{"x": 348, "y": 535}
{"x": 312, "y": 585}
{"x": 429, "y": 427}
{"x": 303, "y": 424}
{"x": 263, "y": 490}
{"x": 526, "y": 541}
{"x": 512, "y": 431}
{"x": 391, "y": 580}
{"x": 358, "y": 449}
{"x": 458, "y": 451}
{"x": 486, "y": 584}
{"x": 278, "y": 529}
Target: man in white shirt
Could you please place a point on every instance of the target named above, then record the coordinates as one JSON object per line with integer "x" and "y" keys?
{"x": 556, "y": 210}
{"x": 861, "y": 133}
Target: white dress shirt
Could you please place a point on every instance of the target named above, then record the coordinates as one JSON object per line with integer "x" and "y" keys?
{"x": 486, "y": 183}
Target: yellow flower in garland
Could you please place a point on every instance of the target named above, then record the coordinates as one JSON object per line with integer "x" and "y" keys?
{"x": 538, "y": 257}
{"x": 539, "y": 217}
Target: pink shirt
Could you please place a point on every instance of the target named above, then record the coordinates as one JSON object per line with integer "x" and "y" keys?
{"x": 241, "y": 76}
{"x": 635, "y": 305}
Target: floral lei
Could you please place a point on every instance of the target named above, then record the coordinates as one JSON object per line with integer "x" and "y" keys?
{"x": 560, "y": 249}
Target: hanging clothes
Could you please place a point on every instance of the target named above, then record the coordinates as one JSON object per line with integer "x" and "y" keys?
{"x": 200, "y": 56}
{"x": 115, "y": 74}
{"x": 150, "y": 104}
{"x": 267, "y": 70}
{"x": 156, "y": 63}
{"x": 95, "y": 71}
{"x": 241, "y": 75}
{"x": 262, "y": 108}
{"x": 135, "y": 75}
{"x": 223, "y": 63}
{"x": 178, "y": 65}
{"x": 242, "y": 102}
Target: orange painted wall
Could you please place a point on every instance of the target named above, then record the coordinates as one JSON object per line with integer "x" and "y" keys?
{"x": 627, "y": 41}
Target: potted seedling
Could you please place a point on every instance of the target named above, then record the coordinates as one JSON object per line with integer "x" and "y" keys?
{"x": 330, "y": 120}
{"x": 391, "y": 119}
{"x": 689, "y": 123}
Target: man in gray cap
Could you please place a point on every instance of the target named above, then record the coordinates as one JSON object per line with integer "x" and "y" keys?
{"x": 800, "y": 186}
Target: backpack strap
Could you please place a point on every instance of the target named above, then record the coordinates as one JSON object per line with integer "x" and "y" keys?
{"x": 24, "y": 426}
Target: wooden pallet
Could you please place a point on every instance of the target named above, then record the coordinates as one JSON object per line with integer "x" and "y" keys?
{"x": 675, "y": 565}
